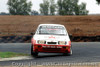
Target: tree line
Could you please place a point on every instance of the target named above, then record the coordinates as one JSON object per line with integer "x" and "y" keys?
{"x": 98, "y": 1}
{"x": 48, "y": 7}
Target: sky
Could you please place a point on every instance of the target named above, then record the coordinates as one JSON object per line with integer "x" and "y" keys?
{"x": 92, "y": 5}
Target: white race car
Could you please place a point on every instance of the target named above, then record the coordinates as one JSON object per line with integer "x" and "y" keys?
{"x": 51, "y": 38}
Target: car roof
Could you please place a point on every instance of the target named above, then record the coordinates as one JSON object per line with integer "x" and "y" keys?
{"x": 51, "y": 24}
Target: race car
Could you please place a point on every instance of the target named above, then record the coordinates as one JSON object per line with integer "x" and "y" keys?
{"x": 51, "y": 38}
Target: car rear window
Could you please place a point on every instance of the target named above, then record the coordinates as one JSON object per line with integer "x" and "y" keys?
{"x": 52, "y": 30}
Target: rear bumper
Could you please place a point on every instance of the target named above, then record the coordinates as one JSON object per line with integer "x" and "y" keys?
{"x": 51, "y": 48}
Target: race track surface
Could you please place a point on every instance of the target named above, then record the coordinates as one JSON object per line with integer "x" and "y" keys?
{"x": 82, "y": 52}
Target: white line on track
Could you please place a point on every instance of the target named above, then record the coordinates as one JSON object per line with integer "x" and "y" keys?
{"x": 16, "y": 58}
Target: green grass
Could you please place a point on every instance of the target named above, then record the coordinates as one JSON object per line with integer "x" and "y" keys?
{"x": 11, "y": 54}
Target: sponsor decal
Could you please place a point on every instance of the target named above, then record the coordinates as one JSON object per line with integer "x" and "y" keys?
{"x": 52, "y": 37}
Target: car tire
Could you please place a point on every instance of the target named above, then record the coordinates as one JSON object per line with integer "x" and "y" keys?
{"x": 68, "y": 54}
{"x": 34, "y": 54}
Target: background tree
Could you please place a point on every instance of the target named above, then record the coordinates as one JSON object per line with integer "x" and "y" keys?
{"x": 44, "y": 7}
{"x": 34, "y": 12}
{"x": 48, "y": 7}
{"x": 82, "y": 9}
{"x": 19, "y": 7}
{"x": 4, "y": 13}
{"x": 71, "y": 7}
{"x": 98, "y": 1}
{"x": 52, "y": 7}
{"x": 60, "y": 7}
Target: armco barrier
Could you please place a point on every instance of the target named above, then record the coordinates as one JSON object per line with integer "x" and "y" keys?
{"x": 85, "y": 38}
{"x": 15, "y": 39}
{"x": 27, "y": 39}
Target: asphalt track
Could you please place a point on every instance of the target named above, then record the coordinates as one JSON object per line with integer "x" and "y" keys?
{"x": 82, "y": 52}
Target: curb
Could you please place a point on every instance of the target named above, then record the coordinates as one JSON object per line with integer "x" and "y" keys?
{"x": 16, "y": 58}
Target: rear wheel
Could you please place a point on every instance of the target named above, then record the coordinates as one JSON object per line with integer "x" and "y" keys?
{"x": 34, "y": 54}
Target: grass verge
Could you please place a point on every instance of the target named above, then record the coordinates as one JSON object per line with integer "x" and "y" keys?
{"x": 11, "y": 54}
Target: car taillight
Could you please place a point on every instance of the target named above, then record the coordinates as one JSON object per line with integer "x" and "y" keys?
{"x": 69, "y": 43}
{"x": 33, "y": 41}
{"x": 41, "y": 42}
{"x": 62, "y": 42}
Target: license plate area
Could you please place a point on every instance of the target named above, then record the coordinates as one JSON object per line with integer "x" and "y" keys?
{"x": 51, "y": 47}
{"x": 52, "y": 42}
